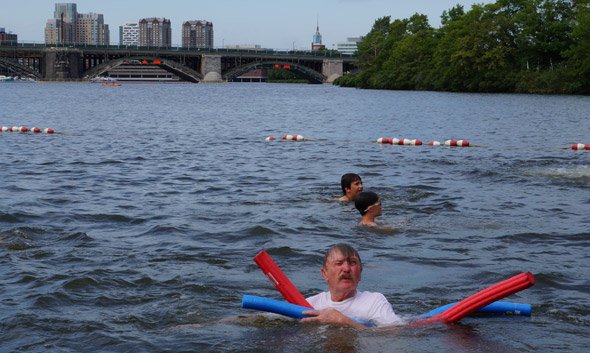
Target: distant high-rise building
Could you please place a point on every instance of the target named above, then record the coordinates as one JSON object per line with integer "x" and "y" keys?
{"x": 62, "y": 28}
{"x": 155, "y": 32}
{"x": 9, "y": 38}
{"x": 70, "y": 27}
{"x": 350, "y": 46}
{"x": 129, "y": 34}
{"x": 316, "y": 44}
{"x": 92, "y": 29}
{"x": 197, "y": 34}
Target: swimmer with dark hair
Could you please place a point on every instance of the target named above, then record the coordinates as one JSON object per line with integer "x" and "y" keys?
{"x": 351, "y": 185}
{"x": 369, "y": 205}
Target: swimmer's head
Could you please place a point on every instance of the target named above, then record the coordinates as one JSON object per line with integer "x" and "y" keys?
{"x": 348, "y": 179}
{"x": 365, "y": 200}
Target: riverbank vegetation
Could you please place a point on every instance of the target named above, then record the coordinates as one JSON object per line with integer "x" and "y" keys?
{"x": 533, "y": 46}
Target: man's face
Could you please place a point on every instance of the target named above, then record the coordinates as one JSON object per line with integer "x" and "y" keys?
{"x": 342, "y": 274}
{"x": 355, "y": 188}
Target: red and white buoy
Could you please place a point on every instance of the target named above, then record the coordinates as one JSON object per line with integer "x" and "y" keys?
{"x": 581, "y": 146}
{"x": 23, "y": 129}
{"x": 270, "y": 138}
{"x": 397, "y": 141}
{"x": 457, "y": 143}
{"x": 293, "y": 138}
{"x": 48, "y": 131}
{"x": 434, "y": 143}
{"x": 4, "y": 129}
{"x": 35, "y": 130}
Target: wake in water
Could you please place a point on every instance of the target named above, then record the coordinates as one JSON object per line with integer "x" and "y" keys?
{"x": 575, "y": 173}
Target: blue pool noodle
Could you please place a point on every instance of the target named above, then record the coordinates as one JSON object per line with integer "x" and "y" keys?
{"x": 273, "y": 306}
{"x": 495, "y": 308}
{"x": 280, "y": 307}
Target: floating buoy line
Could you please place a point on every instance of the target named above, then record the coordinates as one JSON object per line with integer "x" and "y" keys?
{"x": 298, "y": 138}
{"x": 580, "y": 147}
{"x": 24, "y": 130}
{"x": 416, "y": 142}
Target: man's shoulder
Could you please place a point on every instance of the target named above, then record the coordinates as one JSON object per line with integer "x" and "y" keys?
{"x": 366, "y": 295}
{"x": 322, "y": 296}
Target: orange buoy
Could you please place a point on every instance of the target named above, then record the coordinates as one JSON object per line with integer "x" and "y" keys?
{"x": 457, "y": 143}
{"x": 580, "y": 147}
{"x": 270, "y": 138}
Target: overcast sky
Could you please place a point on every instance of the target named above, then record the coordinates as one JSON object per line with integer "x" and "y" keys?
{"x": 274, "y": 24}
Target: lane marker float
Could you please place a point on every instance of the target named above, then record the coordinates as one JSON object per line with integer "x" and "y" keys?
{"x": 297, "y": 138}
{"x": 580, "y": 147}
{"x": 293, "y": 138}
{"x": 399, "y": 141}
{"x": 24, "y": 129}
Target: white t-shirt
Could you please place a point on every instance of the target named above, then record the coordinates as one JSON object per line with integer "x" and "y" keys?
{"x": 369, "y": 307}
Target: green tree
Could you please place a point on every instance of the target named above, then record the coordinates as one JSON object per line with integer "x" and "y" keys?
{"x": 408, "y": 64}
{"x": 507, "y": 46}
{"x": 578, "y": 55}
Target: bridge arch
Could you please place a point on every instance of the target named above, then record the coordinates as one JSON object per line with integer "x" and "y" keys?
{"x": 176, "y": 68}
{"x": 312, "y": 75}
{"x": 14, "y": 67}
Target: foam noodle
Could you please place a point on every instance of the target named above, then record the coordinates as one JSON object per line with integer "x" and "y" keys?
{"x": 483, "y": 298}
{"x": 495, "y": 308}
{"x": 282, "y": 308}
{"x": 273, "y": 306}
{"x": 279, "y": 279}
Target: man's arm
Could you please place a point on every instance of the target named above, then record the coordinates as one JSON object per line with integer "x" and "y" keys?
{"x": 330, "y": 316}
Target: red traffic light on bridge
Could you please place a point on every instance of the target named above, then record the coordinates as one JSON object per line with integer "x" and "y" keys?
{"x": 285, "y": 66}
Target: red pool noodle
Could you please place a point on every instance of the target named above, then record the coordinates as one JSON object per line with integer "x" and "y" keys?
{"x": 483, "y": 298}
{"x": 279, "y": 279}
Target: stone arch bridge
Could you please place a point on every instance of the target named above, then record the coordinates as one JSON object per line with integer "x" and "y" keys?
{"x": 75, "y": 63}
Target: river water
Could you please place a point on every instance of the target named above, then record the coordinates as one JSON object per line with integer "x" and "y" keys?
{"x": 133, "y": 229}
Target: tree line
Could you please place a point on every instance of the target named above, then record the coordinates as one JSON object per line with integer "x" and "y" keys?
{"x": 532, "y": 46}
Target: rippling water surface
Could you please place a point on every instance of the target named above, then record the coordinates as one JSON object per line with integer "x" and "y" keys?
{"x": 133, "y": 230}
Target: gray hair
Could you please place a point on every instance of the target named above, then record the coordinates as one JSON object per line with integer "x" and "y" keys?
{"x": 345, "y": 249}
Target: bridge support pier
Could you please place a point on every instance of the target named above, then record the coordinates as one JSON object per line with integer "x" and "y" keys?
{"x": 62, "y": 64}
{"x": 332, "y": 69}
{"x": 211, "y": 68}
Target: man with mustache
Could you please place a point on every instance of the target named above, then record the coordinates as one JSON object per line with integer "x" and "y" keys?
{"x": 343, "y": 304}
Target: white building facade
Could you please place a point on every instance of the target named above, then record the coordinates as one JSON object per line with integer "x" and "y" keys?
{"x": 129, "y": 34}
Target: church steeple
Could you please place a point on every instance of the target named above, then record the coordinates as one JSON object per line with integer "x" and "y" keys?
{"x": 317, "y": 37}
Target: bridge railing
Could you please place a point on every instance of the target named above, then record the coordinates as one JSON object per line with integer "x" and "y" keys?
{"x": 308, "y": 53}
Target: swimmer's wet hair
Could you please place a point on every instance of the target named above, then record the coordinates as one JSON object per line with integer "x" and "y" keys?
{"x": 347, "y": 180}
{"x": 365, "y": 199}
{"x": 346, "y": 250}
